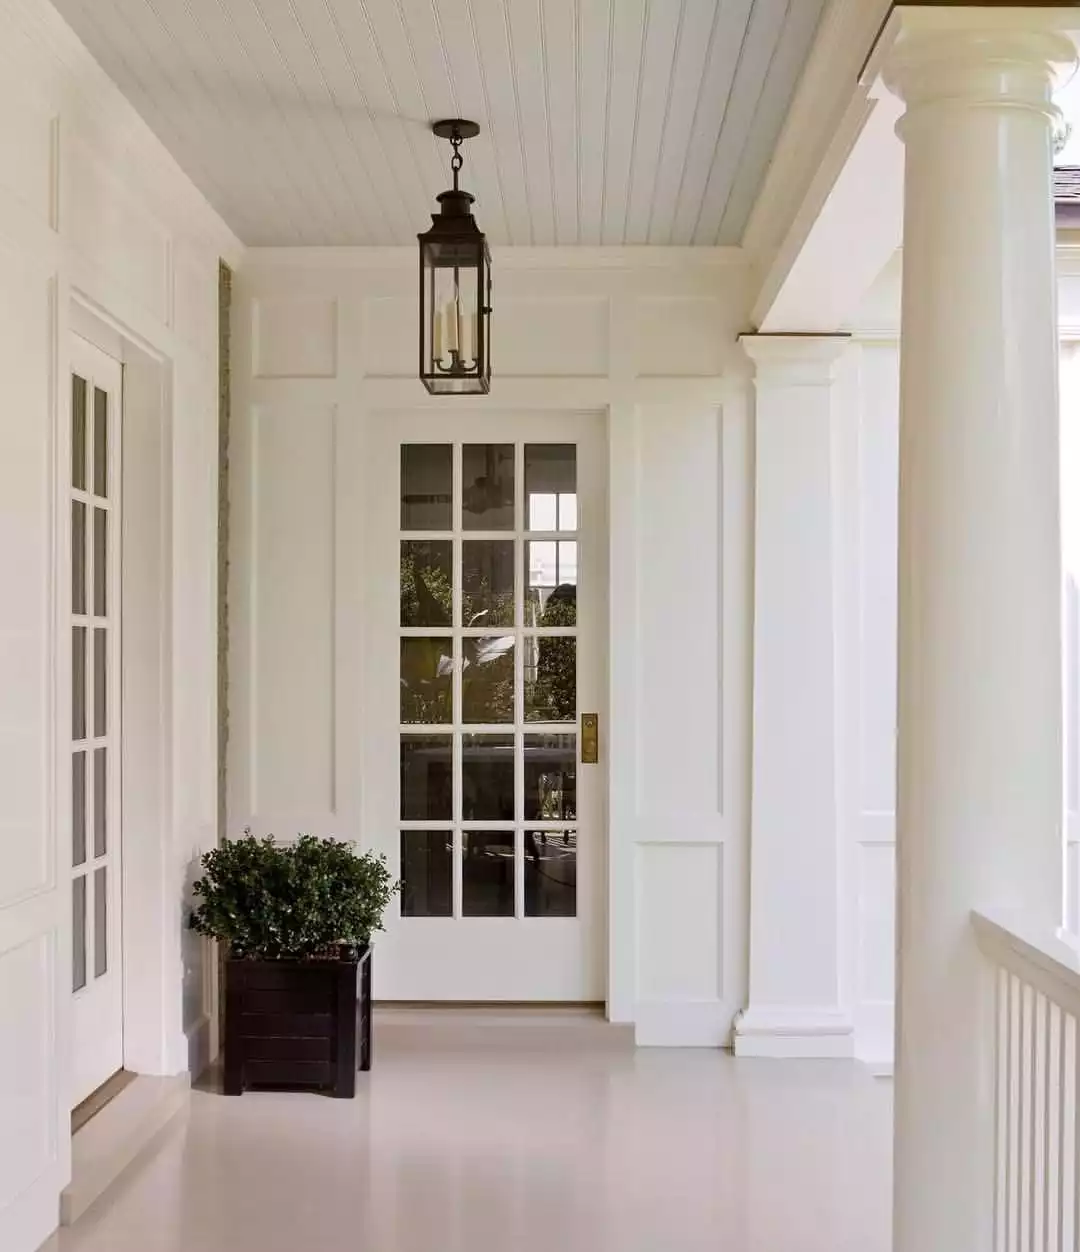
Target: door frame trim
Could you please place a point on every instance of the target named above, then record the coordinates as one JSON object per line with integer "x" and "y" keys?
{"x": 154, "y": 1041}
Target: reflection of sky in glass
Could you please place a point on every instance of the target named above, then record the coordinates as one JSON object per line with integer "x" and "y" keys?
{"x": 1067, "y": 98}
{"x": 552, "y": 564}
{"x": 551, "y": 511}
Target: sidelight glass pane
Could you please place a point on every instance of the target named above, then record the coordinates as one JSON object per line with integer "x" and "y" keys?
{"x": 78, "y": 682}
{"x": 550, "y": 873}
{"x": 101, "y": 443}
{"x": 78, "y": 432}
{"x": 427, "y": 484}
{"x": 487, "y": 582}
{"x": 550, "y": 778}
{"x": 487, "y": 873}
{"x": 78, "y": 933}
{"x": 487, "y": 679}
{"x": 78, "y": 808}
{"x": 100, "y": 680}
{"x": 487, "y": 486}
{"x": 78, "y": 556}
{"x": 551, "y": 486}
{"x": 101, "y": 562}
{"x": 551, "y": 679}
{"x": 427, "y": 778}
{"x": 487, "y": 778}
{"x": 551, "y": 598}
{"x": 101, "y": 922}
{"x": 427, "y": 873}
{"x": 427, "y": 681}
{"x": 101, "y": 802}
{"x": 427, "y": 582}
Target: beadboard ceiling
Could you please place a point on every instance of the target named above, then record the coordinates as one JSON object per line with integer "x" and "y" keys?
{"x": 603, "y": 121}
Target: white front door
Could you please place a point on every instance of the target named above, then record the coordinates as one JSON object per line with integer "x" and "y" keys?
{"x": 485, "y": 612}
{"x": 94, "y": 487}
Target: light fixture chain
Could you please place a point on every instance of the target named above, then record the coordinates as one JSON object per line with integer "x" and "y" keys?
{"x": 457, "y": 160}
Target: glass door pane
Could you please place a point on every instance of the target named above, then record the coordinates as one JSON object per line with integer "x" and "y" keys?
{"x": 488, "y": 562}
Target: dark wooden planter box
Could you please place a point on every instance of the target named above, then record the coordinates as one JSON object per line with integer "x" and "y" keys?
{"x": 297, "y": 1024}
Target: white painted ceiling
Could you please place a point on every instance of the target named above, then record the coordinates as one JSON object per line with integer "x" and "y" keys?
{"x": 603, "y": 121}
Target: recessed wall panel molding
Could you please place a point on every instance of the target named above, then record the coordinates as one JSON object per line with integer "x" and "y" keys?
{"x": 28, "y": 1065}
{"x": 567, "y": 337}
{"x": 26, "y": 140}
{"x": 115, "y": 232}
{"x": 680, "y": 639}
{"x": 294, "y": 337}
{"x": 388, "y": 336}
{"x": 684, "y": 962}
{"x": 27, "y": 326}
{"x": 292, "y": 579}
{"x": 684, "y": 336}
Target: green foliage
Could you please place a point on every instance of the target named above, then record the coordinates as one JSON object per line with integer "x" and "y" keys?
{"x": 426, "y": 593}
{"x": 268, "y": 900}
{"x": 487, "y": 668}
{"x": 554, "y": 694}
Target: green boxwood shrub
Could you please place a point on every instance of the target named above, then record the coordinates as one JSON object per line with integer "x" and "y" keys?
{"x": 301, "y": 900}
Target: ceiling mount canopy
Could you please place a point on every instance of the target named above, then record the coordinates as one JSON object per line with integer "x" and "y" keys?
{"x": 455, "y": 285}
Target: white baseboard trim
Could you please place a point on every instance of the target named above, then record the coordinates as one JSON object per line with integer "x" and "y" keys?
{"x": 682, "y": 1024}
{"x": 784, "y": 1033}
{"x": 117, "y": 1136}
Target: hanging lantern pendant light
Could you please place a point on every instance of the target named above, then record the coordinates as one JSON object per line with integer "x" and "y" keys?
{"x": 455, "y": 286}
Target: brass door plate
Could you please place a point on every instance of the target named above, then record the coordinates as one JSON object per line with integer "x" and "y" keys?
{"x": 590, "y": 738}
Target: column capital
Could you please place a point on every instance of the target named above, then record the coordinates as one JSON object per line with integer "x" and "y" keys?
{"x": 981, "y": 57}
{"x": 794, "y": 360}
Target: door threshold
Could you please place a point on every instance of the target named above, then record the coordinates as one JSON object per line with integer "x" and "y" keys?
{"x": 566, "y": 1008}
{"x": 459, "y": 1024}
{"x": 97, "y": 1100}
{"x": 126, "y": 1130}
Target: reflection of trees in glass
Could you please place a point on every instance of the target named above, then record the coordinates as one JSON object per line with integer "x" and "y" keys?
{"x": 487, "y": 582}
{"x": 427, "y": 667}
{"x": 553, "y": 694}
{"x": 426, "y": 587}
{"x": 482, "y": 606}
{"x": 487, "y": 679}
{"x": 488, "y": 663}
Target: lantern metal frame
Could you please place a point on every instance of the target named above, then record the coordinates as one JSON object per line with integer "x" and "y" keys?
{"x": 455, "y": 242}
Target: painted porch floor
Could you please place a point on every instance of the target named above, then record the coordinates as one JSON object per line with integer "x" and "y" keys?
{"x": 474, "y": 1140}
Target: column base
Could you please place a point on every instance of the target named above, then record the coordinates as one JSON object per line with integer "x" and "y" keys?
{"x": 794, "y": 1033}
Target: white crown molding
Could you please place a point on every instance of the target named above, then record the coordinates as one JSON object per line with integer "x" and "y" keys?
{"x": 515, "y": 258}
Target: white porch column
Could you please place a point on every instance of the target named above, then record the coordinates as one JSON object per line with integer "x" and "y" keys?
{"x": 795, "y": 998}
{"x": 980, "y": 719}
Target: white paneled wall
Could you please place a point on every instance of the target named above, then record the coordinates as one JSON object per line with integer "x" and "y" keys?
{"x": 327, "y": 339}
{"x": 1070, "y": 518}
{"x": 868, "y": 665}
{"x": 869, "y": 545}
{"x": 92, "y": 211}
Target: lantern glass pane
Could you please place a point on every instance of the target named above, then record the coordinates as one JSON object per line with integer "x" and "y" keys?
{"x": 455, "y": 287}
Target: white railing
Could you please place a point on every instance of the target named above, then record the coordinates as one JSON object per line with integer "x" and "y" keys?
{"x": 1036, "y": 1083}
